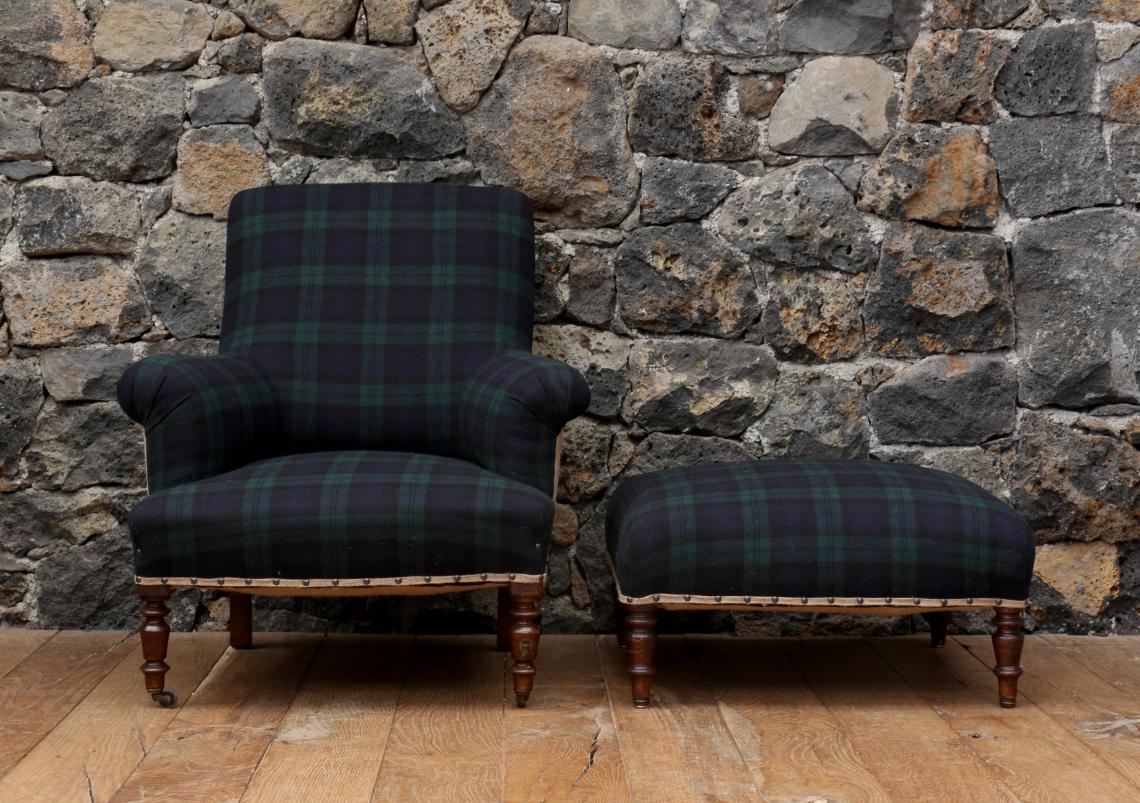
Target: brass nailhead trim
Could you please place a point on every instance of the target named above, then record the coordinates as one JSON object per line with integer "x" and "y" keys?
{"x": 483, "y": 576}
{"x": 917, "y": 601}
{"x": 748, "y": 600}
{"x": 248, "y": 580}
{"x": 803, "y": 600}
{"x": 427, "y": 579}
{"x": 399, "y": 580}
{"x": 831, "y": 600}
{"x": 945, "y": 602}
{"x": 304, "y": 582}
{"x": 717, "y": 597}
{"x": 276, "y": 581}
{"x": 858, "y": 600}
{"x": 998, "y": 604}
{"x": 656, "y": 597}
{"x": 163, "y": 579}
{"x": 221, "y": 581}
{"x": 688, "y": 597}
{"x": 889, "y": 600}
{"x": 629, "y": 599}
{"x": 456, "y": 578}
{"x": 367, "y": 581}
{"x": 511, "y": 576}
{"x": 775, "y": 600}
{"x": 969, "y": 600}
{"x": 193, "y": 581}
{"x": 335, "y": 582}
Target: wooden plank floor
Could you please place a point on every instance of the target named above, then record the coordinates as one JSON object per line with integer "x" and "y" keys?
{"x": 379, "y": 718}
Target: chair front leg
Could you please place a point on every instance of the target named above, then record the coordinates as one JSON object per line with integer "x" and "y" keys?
{"x": 641, "y": 649}
{"x": 155, "y": 635}
{"x": 1008, "y": 642}
{"x": 524, "y": 637}
{"x": 241, "y": 621}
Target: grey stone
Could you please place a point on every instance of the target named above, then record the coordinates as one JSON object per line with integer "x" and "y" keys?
{"x": 349, "y": 171}
{"x": 950, "y": 76}
{"x": 1124, "y": 153}
{"x": 33, "y": 521}
{"x": 591, "y": 285}
{"x": 680, "y": 107}
{"x": 1077, "y": 300}
{"x": 182, "y": 268}
{"x": 939, "y": 291}
{"x": 76, "y": 445}
{"x": 20, "y": 126}
{"x": 861, "y": 26}
{"x": 584, "y": 471}
{"x": 71, "y": 301}
{"x": 955, "y": 400}
{"x": 21, "y": 394}
{"x": 1120, "y": 88}
{"x": 7, "y": 200}
{"x": 591, "y": 236}
{"x": 812, "y": 316}
{"x": 465, "y": 43}
{"x": 152, "y": 35}
{"x": 1074, "y": 486}
{"x": 89, "y": 586}
{"x": 730, "y": 27}
{"x": 154, "y": 202}
{"x": 456, "y": 170}
{"x": 661, "y": 450}
{"x": 1051, "y": 72}
{"x": 545, "y": 18}
{"x": 838, "y": 105}
{"x": 553, "y": 127}
{"x": 117, "y": 128}
{"x": 75, "y": 215}
{"x": 718, "y": 387}
{"x": 672, "y": 190}
{"x": 343, "y": 99}
{"x": 1050, "y": 164}
{"x": 800, "y": 216}
{"x": 939, "y": 175}
{"x": 551, "y": 262}
{"x": 43, "y": 44}
{"x": 681, "y": 278}
{"x": 86, "y": 373}
{"x": 312, "y": 19}
{"x": 241, "y": 54}
{"x": 1102, "y": 10}
{"x": 390, "y": 21}
{"x": 977, "y": 464}
{"x": 18, "y": 171}
{"x": 651, "y": 24}
{"x": 975, "y": 13}
{"x": 228, "y": 99}
{"x": 814, "y": 415}
{"x": 601, "y": 356}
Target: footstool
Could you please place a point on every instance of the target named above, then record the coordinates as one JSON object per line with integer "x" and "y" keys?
{"x": 833, "y": 536}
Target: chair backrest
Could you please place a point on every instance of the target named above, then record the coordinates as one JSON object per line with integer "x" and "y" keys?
{"x": 369, "y": 304}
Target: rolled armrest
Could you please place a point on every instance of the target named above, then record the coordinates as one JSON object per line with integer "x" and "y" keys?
{"x": 513, "y": 409}
{"x": 202, "y": 415}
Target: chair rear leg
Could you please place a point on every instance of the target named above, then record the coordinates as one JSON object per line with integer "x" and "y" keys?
{"x": 937, "y": 622}
{"x": 1008, "y": 642}
{"x": 241, "y": 621}
{"x": 503, "y": 641}
{"x": 155, "y": 635}
{"x": 641, "y": 648}
{"x": 524, "y": 637}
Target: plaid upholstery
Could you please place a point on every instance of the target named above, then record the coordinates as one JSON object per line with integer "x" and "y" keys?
{"x": 512, "y": 411}
{"x": 369, "y": 305}
{"x": 816, "y": 528}
{"x": 203, "y": 415}
{"x": 344, "y": 514}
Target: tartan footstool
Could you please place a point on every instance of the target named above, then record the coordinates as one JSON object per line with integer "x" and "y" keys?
{"x": 833, "y": 536}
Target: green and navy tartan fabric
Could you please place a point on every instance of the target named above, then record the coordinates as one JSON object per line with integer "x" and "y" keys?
{"x": 816, "y": 528}
{"x": 512, "y": 411}
{"x": 344, "y": 514}
{"x": 202, "y": 415}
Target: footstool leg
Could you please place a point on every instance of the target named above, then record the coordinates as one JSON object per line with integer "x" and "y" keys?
{"x": 641, "y": 645}
{"x": 937, "y": 622}
{"x": 1008, "y": 641}
{"x": 524, "y": 637}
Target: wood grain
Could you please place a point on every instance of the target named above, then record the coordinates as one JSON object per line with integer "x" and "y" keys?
{"x": 335, "y": 731}
{"x": 446, "y": 741}
{"x": 678, "y": 748}
{"x": 564, "y": 745}
{"x": 93, "y": 750}
{"x": 16, "y": 645}
{"x": 901, "y": 738}
{"x": 46, "y": 685}
{"x": 211, "y": 749}
{"x": 794, "y": 747}
{"x": 1022, "y": 746}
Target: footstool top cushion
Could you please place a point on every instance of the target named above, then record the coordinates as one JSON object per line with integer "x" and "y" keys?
{"x": 816, "y": 532}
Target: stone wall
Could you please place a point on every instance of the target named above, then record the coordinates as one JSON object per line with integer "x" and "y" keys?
{"x": 767, "y": 228}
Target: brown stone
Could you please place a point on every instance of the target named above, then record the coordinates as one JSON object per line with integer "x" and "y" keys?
{"x": 465, "y": 43}
{"x": 943, "y": 176}
{"x": 758, "y": 93}
{"x": 813, "y": 316}
{"x": 584, "y": 470}
{"x": 43, "y": 44}
{"x": 950, "y": 76}
{"x": 565, "y": 525}
{"x": 390, "y": 21}
{"x": 152, "y": 35}
{"x": 214, "y": 164}
{"x": 312, "y": 19}
{"x": 976, "y": 13}
{"x": 1120, "y": 88}
{"x": 1087, "y": 575}
{"x": 72, "y": 300}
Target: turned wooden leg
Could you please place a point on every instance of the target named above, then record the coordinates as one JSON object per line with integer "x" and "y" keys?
{"x": 503, "y": 642}
{"x": 1008, "y": 641}
{"x": 155, "y": 634}
{"x": 641, "y": 646}
{"x": 241, "y": 621}
{"x": 937, "y": 622}
{"x": 524, "y": 637}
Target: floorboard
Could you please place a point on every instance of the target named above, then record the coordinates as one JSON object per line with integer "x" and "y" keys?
{"x": 18, "y": 645}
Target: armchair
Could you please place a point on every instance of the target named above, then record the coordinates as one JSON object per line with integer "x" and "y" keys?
{"x": 374, "y": 422}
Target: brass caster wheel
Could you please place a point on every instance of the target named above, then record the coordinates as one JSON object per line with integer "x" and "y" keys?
{"x": 166, "y": 699}
{"x": 520, "y": 700}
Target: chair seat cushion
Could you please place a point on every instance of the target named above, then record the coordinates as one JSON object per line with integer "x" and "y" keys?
{"x": 816, "y": 529}
{"x": 347, "y": 514}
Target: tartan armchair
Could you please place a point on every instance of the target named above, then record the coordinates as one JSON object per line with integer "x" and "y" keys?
{"x": 374, "y": 422}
